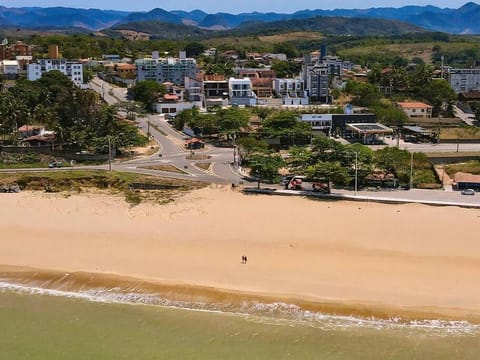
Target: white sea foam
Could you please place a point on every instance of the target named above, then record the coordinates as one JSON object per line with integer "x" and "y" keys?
{"x": 274, "y": 313}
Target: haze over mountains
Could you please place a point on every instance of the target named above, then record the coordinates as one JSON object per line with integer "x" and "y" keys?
{"x": 459, "y": 21}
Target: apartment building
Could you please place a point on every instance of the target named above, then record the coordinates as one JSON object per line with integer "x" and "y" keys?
{"x": 462, "y": 80}
{"x": 241, "y": 92}
{"x": 11, "y": 51}
{"x": 170, "y": 69}
{"x": 291, "y": 91}
{"x": 74, "y": 70}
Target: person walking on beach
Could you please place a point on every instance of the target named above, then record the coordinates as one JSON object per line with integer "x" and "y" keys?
{"x": 245, "y": 259}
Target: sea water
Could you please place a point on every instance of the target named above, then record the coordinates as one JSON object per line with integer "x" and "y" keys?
{"x": 37, "y": 323}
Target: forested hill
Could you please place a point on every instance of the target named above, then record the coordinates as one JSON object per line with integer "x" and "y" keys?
{"x": 325, "y": 25}
{"x": 332, "y": 25}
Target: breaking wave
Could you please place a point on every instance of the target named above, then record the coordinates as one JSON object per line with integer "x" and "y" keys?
{"x": 273, "y": 313}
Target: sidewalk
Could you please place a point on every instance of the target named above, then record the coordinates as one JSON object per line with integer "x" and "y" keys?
{"x": 396, "y": 197}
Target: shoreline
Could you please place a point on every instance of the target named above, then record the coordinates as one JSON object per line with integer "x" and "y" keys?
{"x": 410, "y": 261}
{"x": 134, "y": 291}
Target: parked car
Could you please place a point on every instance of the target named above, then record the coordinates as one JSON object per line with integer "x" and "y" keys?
{"x": 468, "y": 192}
{"x": 286, "y": 180}
{"x": 55, "y": 164}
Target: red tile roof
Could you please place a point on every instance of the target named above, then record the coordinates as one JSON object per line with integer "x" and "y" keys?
{"x": 466, "y": 178}
{"x": 30, "y": 128}
{"x": 414, "y": 105}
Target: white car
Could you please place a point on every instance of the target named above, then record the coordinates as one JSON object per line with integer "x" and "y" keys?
{"x": 468, "y": 192}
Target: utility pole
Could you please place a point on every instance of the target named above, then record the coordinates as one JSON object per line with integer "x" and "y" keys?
{"x": 442, "y": 66}
{"x": 443, "y": 175}
{"x": 356, "y": 172}
{"x": 109, "y": 153}
{"x": 234, "y": 151}
{"x": 411, "y": 170}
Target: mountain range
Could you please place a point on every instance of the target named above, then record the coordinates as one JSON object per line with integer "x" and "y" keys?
{"x": 463, "y": 20}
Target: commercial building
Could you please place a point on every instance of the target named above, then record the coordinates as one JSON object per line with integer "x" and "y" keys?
{"x": 74, "y": 70}
{"x": 466, "y": 181}
{"x": 336, "y": 123}
{"x": 9, "y": 68}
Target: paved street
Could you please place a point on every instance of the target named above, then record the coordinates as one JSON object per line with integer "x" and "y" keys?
{"x": 172, "y": 149}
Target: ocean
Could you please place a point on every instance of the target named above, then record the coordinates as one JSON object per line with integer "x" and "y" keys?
{"x": 41, "y": 323}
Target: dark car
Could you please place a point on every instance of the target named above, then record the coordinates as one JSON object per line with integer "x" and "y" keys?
{"x": 55, "y": 164}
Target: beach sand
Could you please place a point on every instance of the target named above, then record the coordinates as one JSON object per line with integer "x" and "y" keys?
{"x": 349, "y": 257}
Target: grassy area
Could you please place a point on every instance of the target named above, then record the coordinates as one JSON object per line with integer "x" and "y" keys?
{"x": 462, "y": 133}
{"x": 23, "y": 166}
{"x": 472, "y": 167}
{"x": 116, "y": 183}
{"x": 27, "y": 160}
{"x": 452, "y": 154}
{"x": 291, "y": 36}
{"x": 410, "y": 50}
{"x": 163, "y": 167}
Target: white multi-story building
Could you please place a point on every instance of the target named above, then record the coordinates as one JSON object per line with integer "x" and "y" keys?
{"x": 241, "y": 92}
{"x": 170, "y": 69}
{"x": 74, "y": 70}
{"x": 462, "y": 80}
{"x": 291, "y": 91}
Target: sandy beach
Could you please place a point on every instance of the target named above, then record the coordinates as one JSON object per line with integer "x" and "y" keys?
{"x": 382, "y": 259}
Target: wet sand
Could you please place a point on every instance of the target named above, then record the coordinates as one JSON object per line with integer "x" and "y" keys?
{"x": 345, "y": 257}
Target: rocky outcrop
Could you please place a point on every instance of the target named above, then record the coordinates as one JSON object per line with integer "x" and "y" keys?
{"x": 10, "y": 188}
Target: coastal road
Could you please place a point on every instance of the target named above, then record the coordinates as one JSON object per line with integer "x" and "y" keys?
{"x": 429, "y": 148}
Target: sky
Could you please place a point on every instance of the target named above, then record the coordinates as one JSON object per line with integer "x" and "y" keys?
{"x": 230, "y": 6}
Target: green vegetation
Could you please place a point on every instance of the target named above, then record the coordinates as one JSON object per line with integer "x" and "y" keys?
{"x": 330, "y": 160}
{"x": 112, "y": 182}
{"x": 264, "y": 167}
{"x": 471, "y": 167}
{"x": 78, "y": 117}
{"x": 148, "y": 92}
{"x": 27, "y": 160}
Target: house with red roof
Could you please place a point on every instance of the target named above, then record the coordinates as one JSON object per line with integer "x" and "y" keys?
{"x": 416, "y": 109}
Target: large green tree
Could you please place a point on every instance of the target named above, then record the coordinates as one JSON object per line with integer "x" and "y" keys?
{"x": 265, "y": 167}
{"x": 148, "y": 92}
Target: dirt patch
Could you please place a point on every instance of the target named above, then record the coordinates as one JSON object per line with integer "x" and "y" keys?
{"x": 204, "y": 166}
{"x": 291, "y": 36}
{"x": 163, "y": 167}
